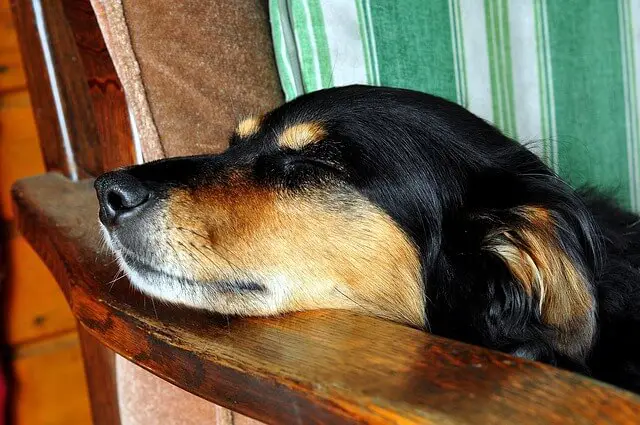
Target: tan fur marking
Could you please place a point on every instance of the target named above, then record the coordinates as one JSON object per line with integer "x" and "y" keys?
{"x": 248, "y": 127}
{"x": 301, "y": 135}
{"x": 310, "y": 250}
{"x": 535, "y": 258}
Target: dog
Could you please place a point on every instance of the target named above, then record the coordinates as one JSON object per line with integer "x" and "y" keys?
{"x": 393, "y": 203}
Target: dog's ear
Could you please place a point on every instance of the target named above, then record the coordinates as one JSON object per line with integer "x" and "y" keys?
{"x": 548, "y": 253}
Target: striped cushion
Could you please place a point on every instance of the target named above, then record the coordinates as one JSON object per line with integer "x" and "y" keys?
{"x": 558, "y": 75}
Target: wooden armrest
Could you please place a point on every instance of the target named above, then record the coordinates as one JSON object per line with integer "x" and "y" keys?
{"x": 317, "y": 367}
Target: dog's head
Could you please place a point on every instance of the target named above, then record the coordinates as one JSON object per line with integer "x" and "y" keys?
{"x": 386, "y": 201}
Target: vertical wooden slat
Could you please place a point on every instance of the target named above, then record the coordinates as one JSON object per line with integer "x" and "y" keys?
{"x": 78, "y": 100}
{"x": 83, "y": 126}
{"x": 39, "y": 88}
{"x": 105, "y": 92}
{"x": 99, "y": 368}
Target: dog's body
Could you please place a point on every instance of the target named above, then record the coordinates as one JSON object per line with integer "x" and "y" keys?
{"x": 397, "y": 204}
{"x": 616, "y": 353}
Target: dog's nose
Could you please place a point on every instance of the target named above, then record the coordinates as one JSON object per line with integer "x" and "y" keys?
{"x": 120, "y": 195}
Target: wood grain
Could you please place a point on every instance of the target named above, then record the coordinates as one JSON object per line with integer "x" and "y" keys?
{"x": 19, "y": 150}
{"x": 39, "y": 87}
{"x": 94, "y": 110}
{"x": 46, "y": 374}
{"x": 34, "y": 306}
{"x": 27, "y": 317}
{"x": 11, "y": 75}
{"x": 113, "y": 143}
{"x": 311, "y": 368}
{"x": 99, "y": 364}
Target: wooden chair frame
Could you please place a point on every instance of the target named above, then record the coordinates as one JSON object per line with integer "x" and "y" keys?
{"x": 318, "y": 367}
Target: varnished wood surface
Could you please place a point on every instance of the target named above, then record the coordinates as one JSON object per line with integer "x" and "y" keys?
{"x": 39, "y": 87}
{"x": 11, "y": 75}
{"x": 113, "y": 145}
{"x": 94, "y": 111}
{"x": 43, "y": 359}
{"x": 49, "y": 384}
{"x": 33, "y": 306}
{"x": 99, "y": 361}
{"x": 317, "y": 367}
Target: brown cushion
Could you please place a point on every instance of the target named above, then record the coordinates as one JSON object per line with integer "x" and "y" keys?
{"x": 191, "y": 69}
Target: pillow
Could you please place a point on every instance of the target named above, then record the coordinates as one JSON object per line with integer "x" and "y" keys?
{"x": 190, "y": 69}
{"x": 560, "y": 76}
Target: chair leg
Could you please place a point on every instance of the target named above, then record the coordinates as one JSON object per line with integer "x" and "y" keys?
{"x": 99, "y": 368}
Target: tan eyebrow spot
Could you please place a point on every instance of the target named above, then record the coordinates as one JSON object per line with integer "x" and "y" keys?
{"x": 248, "y": 127}
{"x": 301, "y": 135}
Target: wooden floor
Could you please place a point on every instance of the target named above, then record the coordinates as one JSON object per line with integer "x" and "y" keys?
{"x": 47, "y": 366}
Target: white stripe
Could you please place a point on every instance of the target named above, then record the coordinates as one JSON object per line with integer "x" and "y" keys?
{"x": 372, "y": 39}
{"x": 135, "y": 135}
{"x": 506, "y": 108}
{"x": 345, "y": 44}
{"x": 495, "y": 69}
{"x": 627, "y": 96}
{"x": 455, "y": 46}
{"x": 314, "y": 46}
{"x": 298, "y": 43}
{"x": 634, "y": 19}
{"x": 476, "y": 58}
{"x": 553, "y": 143}
{"x": 286, "y": 63}
{"x": 288, "y": 49}
{"x": 526, "y": 82}
{"x": 55, "y": 90}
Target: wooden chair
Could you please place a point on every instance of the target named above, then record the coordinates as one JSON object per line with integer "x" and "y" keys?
{"x": 317, "y": 367}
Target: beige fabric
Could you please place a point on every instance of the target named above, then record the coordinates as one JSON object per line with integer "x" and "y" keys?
{"x": 110, "y": 15}
{"x": 191, "y": 69}
{"x": 145, "y": 399}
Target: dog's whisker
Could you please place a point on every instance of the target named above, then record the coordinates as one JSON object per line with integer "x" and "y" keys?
{"x": 396, "y": 204}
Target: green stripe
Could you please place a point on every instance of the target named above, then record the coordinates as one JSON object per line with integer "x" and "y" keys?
{"x": 635, "y": 176}
{"x": 314, "y": 58}
{"x": 306, "y": 55}
{"x": 589, "y": 93}
{"x": 322, "y": 45}
{"x": 499, "y": 49}
{"x": 549, "y": 87}
{"x": 282, "y": 61}
{"x": 545, "y": 83}
{"x": 627, "y": 53}
{"x": 494, "y": 64}
{"x": 541, "y": 80}
{"x": 364, "y": 36}
{"x": 415, "y": 49}
{"x": 463, "y": 65}
{"x": 628, "y": 41}
{"x": 508, "y": 70}
{"x": 372, "y": 42}
{"x": 458, "y": 52}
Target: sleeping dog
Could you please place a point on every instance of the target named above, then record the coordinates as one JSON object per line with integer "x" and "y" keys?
{"x": 396, "y": 204}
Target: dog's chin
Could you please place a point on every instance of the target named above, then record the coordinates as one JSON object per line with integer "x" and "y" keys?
{"x": 228, "y": 296}
{"x": 224, "y": 297}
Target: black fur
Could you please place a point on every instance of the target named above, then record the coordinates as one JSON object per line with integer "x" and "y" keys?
{"x": 449, "y": 179}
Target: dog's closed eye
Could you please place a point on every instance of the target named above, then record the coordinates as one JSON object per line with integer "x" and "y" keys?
{"x": 392, "y": 203}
